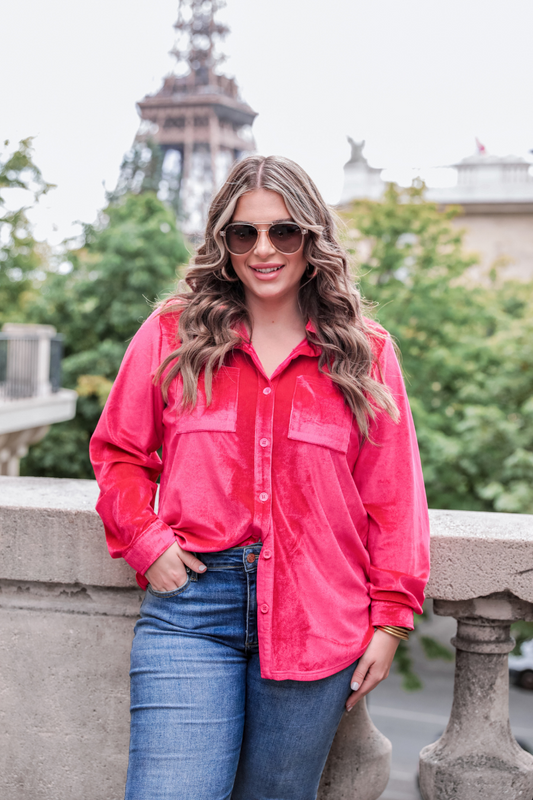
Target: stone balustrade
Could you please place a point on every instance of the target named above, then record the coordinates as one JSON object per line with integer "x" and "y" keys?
{"x": 31, "y": 398}
{"x": 66, "y": 622}
{"x": 482, "y": 575}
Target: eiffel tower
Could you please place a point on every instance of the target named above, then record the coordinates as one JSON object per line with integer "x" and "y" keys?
{"x": 197, "y": 119}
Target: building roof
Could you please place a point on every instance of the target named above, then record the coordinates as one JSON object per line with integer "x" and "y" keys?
{"x": 485, "y": 183}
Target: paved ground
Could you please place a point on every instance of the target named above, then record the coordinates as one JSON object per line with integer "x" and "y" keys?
{"x": 413, "y": 719}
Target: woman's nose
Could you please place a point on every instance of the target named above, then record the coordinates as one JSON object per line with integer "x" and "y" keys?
{"x": 263, "y": 246}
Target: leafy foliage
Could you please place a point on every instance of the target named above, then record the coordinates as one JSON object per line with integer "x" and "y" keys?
{"x": 431, "y": 648}
{"x": 466, "y": 351}
{"x": 404, "y": 664}
{"x": 125, "y": 262}
{"x": 22, "y": 258}
{"x": 434, "y": 649}
{"x": 522, "y": 631}
{"x": 467, "y": 358}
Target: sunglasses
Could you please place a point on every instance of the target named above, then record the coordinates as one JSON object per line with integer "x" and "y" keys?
{"x": 241, "y": 237}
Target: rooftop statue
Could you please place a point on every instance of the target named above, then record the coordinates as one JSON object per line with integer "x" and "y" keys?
{"x": 356, "y": 156}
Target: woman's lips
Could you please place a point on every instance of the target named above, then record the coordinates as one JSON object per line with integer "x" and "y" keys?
{"x": 266, "y": 272}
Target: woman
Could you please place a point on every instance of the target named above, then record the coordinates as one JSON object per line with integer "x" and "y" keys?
{"x": 290, "y": 545}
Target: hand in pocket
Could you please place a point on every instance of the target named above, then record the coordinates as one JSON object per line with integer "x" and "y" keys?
{"x": 168, "y": 571}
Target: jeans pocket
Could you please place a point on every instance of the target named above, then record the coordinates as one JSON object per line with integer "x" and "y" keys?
{"x": 173, "y": 592}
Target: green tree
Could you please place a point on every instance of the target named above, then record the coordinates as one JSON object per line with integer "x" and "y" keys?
{"x": 97, "y": 300}
{"x": 466, "y": 355}
{"x": 22, "y": 258}
{"x": 465, "y": 348}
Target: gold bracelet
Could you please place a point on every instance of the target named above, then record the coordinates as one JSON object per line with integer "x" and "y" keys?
{"x": 394, "y": 630}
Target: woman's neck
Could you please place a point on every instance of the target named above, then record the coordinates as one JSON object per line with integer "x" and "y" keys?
{"x": 282, "y": 315}
{"x": 277, "y": 330}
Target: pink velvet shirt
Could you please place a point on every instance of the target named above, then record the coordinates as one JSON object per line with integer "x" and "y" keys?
{"x": 280, "y": 460}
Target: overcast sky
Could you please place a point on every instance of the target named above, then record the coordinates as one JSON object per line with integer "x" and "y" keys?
{"x": 418, "y": 79}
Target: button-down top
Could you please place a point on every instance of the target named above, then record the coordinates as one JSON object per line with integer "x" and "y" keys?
{"x": 280, "y": 460}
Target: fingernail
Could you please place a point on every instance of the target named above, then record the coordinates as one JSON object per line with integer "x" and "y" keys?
{"x": 354, "y": 686}
{"x": 349, "y": 709}
{"x": 202, "y": 568}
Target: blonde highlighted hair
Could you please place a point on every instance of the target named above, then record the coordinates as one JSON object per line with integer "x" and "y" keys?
{"x": 215, "y": 303}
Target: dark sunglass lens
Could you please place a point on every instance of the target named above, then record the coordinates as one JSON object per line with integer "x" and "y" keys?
{"x": 240, "y": 238}
{"x": 286, "y": 237}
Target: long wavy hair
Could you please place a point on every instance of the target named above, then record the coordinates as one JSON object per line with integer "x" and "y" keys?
{"x": 214, "y": 304}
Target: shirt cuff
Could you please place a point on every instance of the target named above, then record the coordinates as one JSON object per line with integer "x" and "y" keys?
{"x": 384, "y": 613}
{"x": 149, "y": 546}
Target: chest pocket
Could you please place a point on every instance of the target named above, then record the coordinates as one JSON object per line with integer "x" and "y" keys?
{"x": 319, "y": 414}
{"x": 221, "y": 414}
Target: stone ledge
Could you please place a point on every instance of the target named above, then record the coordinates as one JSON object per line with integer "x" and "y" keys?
{"x": 48, "y": 493}
{"x": 70, "y": 598}
{"x": 34, "y": 412}
{"x": 477, "y": 553}
{"x": 50, "y": 533}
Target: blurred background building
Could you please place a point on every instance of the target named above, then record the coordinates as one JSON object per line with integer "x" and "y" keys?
{"x": 31, "y": 397}
{"x": 495, "y": 194}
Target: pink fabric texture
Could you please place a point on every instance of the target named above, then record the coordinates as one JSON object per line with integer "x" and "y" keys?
{"x": 279, "y": 460}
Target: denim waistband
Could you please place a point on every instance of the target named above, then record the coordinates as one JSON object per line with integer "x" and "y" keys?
{"x": 234, "y": 558}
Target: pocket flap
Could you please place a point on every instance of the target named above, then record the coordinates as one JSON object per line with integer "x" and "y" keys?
{"x": 319, "y": 414}
{"x": 221, "y": 414}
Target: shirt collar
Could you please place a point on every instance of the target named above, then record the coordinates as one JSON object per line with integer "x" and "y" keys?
{"x": 304, "y": 348}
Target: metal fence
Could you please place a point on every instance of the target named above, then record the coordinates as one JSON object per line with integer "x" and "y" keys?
{"x": 30, "y": 366}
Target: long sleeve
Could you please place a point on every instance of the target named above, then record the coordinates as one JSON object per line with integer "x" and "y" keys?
{"x": 124, "y": 455}
{"x": 389, "y": 479}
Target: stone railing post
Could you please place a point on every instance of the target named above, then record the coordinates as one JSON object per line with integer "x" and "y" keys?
{"x": 358, "y": 764}
{"x": 477, "y": 757}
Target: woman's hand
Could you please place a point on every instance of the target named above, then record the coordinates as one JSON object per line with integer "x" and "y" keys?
{"x": 373, "y": 666}
{"x": 168, "y": 571}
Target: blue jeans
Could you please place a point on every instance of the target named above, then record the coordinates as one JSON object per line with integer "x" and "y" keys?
{"x": 204, "y": 724}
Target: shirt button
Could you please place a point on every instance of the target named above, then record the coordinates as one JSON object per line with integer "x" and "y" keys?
{"x": 267, "y": 554}
{"x": 267, "y": 390}
{"x": 264, "y": 609}
{"x": 263, "y": 497}
{"x": 263, "y": 442}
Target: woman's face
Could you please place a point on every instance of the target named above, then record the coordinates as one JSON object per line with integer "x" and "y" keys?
{"x": 267, "y": 274}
